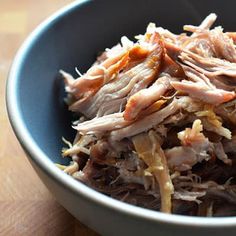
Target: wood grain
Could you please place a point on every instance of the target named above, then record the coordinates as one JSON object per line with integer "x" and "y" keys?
{"x": 26, "y": 206}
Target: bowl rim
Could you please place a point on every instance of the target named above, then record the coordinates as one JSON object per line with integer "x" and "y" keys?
{"x": 39, "y": 157}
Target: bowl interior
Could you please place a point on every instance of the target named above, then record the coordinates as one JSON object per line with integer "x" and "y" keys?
{"x": 73, "y": 40}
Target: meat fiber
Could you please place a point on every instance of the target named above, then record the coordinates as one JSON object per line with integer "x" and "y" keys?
{"x": 139, "y": 76}
{"x": 213, "y": 68}
{"x": 194, "y": 148}
{"x": 89, "y": 83}
{"x": 146, "y": 97}
{"x": 203, "y": 92}
{"x": 146, "y": 123}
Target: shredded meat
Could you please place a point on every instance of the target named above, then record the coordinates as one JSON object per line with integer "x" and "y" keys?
{"x": 156, "y": 121}
{"x": 137, "y": 77}
{"x": 96, "y": 76}
{"x": 146, "y": 97}
{"x": 213, "y": 68}
{"x": 203, "y": 92}
{"x": 148, "y": 149}
{"x": 193, "y": 150}
{"x": 146, "y": 123}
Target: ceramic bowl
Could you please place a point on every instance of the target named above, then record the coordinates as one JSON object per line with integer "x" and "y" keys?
{"x": 71, "y": 38}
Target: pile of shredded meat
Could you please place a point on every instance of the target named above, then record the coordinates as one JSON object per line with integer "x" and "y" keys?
{"x": 156, "y": 121}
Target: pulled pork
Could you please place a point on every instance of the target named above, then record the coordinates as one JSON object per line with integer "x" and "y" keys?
{"x": 157, "y": 117}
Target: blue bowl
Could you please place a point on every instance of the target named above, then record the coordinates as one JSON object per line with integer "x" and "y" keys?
{"x": 71, "y": 38}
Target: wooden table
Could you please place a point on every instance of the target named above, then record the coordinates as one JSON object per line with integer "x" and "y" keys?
{"x": 26, "y": 206}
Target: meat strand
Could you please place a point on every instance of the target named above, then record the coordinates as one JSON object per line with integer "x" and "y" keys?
{"x": 146, "y": 97}
{"x": 145, "y": 123}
